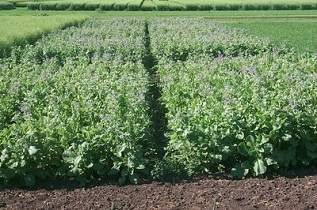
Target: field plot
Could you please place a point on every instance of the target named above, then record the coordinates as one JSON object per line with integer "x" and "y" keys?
{"x": 23, "y": 29}
{"x": 128, "y": 99}
{"x": 170, "y": 5}
{"x": 213, "y": 41}
{"x": 77, "y": 108}
{"x": 220, "y": 110}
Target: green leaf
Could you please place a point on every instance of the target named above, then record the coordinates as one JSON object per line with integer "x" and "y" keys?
{"x": 32, "y": 150}
{"x": 122, "y": 148}
{"x": 240, "y": 136}
{"x": 259, "y": 167}
{"x": 77, "y": 161}
{"x": 270, "y": 161}
{"x": 287, "y": 137}
{"x": 4, "y": 155}
{"x": 264, "y": 139}
{"x": 268, "y": 148}
{"x": 141, "y": 167}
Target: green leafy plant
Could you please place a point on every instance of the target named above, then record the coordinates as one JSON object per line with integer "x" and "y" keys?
{"x": 244, "y": 115}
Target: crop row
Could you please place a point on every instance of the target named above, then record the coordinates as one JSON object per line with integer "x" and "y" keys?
{"x": 234, "y": 103}
{"x": 241, "y": 115}
{"x": 204, "y": 38}
{"x": 94, "y": 40}
{"x": 73, "y": 105}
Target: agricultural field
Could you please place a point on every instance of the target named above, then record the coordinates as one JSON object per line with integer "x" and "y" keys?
{"x": 62, "y": 122}
{"x": 300, "y": 34}
{"x": 216, "y": 111}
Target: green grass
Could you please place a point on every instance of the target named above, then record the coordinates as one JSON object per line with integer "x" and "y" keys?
{"x": 300, "y": 34}
{"x": 21, "y": 29}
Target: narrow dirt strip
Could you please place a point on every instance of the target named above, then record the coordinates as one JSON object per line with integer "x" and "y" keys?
{"x": 278, "y": 193}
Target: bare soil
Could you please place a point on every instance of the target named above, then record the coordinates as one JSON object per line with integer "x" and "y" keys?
{"x": 204, "y": 193}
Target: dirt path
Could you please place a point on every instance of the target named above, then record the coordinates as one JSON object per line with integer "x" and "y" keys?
{"x": 278, "y": 193}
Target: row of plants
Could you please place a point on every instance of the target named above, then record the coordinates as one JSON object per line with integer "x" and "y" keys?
{"x": 245, "y": 7}
{"x": 78, "y": 6}
{"x": 107, "y": 40}
{"x": 149, "y": 5}
{"x": 235, "y": 104}
{"x": 242, "y": 115}
{"x": 180, "y": 5}
{"x": 73, "y": 106}
{"x": 203, "y": 37}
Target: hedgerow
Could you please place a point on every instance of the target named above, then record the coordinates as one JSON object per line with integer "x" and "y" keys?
{"x": 6, "y": 5}
{"x": 158, "y": 5}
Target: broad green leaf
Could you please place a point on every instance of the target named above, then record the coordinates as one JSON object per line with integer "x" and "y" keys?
{"x": 32, "y": 150}
{"x": 259, "y": 167}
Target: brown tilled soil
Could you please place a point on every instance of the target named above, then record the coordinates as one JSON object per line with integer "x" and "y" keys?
{"x": 206, "y": 193}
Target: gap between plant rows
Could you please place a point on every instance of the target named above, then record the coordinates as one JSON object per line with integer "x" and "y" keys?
{"x": 157, "y": 108}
